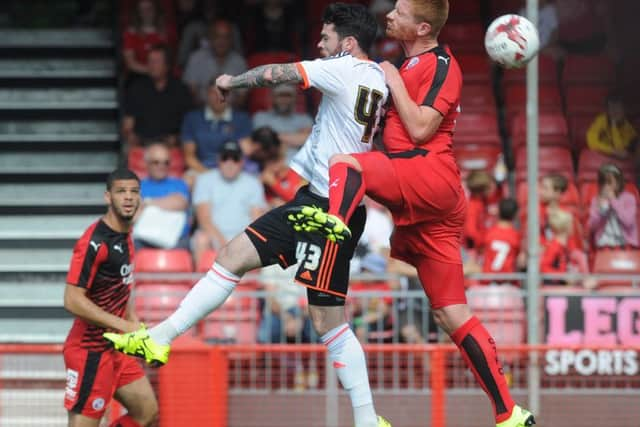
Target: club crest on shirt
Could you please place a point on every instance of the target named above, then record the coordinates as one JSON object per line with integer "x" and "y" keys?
{"x": 412, "y": 62}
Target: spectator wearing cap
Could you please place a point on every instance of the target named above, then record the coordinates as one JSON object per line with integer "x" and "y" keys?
{"x": 226, "y": 200}
{"x": 612, "y": 215}
{"x": 205, "y": 130}
{"x": 161, "y": 190}
{"x": 292, "y": 127}
{"x": 155, "y": 103}
{"x": 217, "y": 58}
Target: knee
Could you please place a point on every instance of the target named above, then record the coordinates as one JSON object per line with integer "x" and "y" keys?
{"x": 450, "y": 318}
{"x": 320, "y": 325}
{"x": 344, "y": 158}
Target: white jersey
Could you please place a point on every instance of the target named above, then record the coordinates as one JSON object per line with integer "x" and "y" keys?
{"x": 353, "y": 94}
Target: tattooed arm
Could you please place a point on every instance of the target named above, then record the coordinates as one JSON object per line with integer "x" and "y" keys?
{"x": 262, "y": 76}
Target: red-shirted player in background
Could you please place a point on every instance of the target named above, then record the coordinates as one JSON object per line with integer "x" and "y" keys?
{"x": 417, "y": 178}
{"x": 97, "y": 294}
{"x": 502, "y": 241}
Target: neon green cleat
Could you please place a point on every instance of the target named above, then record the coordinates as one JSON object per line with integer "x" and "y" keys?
{"x": 313, "y": 219}
{"x": 140, "y": 344}
{"x": 519, "y": 418}
{"x": 382, "y": 422}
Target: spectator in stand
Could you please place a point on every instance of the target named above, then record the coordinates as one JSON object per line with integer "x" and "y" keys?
{"x": 612, "y": 216}
{"x": 163, "y": 191}
{"x": 280, "y": 181}
{"x": 155, "y": 104}
{"x": 611, "y": 133}
{"x": 502, "y": 242}
{"x": 226, "y": 200}
{"x": 217, "y": 58}
{"x": 552, "y": 187}
{"x": 271, "y": 25}
{"x": 292, "y": 127}
{"x": 559, "y": 255}
{"x": 205, "y": 130}
{"x": 481, "y": 209}
{"x": 146, "y": 30}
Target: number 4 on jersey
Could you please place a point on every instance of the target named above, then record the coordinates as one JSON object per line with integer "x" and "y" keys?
{"x": 367, "y": 111}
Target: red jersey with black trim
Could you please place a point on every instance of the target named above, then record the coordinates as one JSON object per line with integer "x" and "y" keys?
{"x": 502, "y": 245}
{"x": 102, "y": 263}
{"x": 434, "y": 79}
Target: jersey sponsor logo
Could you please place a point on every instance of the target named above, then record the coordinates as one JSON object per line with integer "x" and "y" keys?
{"x": 444, "y": 59}
{"x": 94, "y": 245}
{"x": 118, "y": 247}
{"x": 412, "y": 62}
{"x": 125, "y": 272}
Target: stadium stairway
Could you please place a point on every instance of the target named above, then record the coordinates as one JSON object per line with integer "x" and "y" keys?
{"x": 58, "y": 141}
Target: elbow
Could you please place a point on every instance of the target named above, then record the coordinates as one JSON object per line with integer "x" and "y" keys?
{"x": 420, "y": 134}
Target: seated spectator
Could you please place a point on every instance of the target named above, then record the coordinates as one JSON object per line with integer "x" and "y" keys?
{"x": 612, "y": 215}
{"x": 271, "y": 25}
{"x": 611, "y": 133}
{"x": 280, "y": 182}
{"x": 559, "y": 255}
{"x": 155, "y": 104}
{"x": 226, "y": 201}
{"x": 292, "y": 127}
{"x": 484, "y": 195}
{"x": 218, "y": 57}
{"x": 552, "y": 187}
{"x": 146, "y": 30}
{"x": 205, "y": 130}
{"x": 162, "y": 191}
{"x": 502, "y": 242}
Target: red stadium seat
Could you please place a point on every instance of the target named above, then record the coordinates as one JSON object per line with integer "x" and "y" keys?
{"x": 463, "y": 37}
{"x": 476, "y": 128}
{"x": 477, "y": 98}
{"x": 135, "y": 162}
{"x": 552, "y": 130}
{"x": 206, "y": 261}
{"x": 548, "y": 72}
{"x": 260, "y": 98}
{"x": 476, "y": 157}
{"x": 549, "y": 99}
{"x": 475, "y": 67}
{"x": 154, "y": 302}
{"x": 149, "y": 260}
{"x": 616, "y": 261}
{"x": 590, "y": 161}
{"x": 586, "y": 99}
{"x": 550, "y": 160}
{"x": 464, "y": 9}
{"x": 578, "y": 126}
{"x": 501, "y": 310}
{"x": 588, "y": 69}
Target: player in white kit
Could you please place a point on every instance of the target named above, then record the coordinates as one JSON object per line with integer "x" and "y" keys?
{"x": 353, "y": 93}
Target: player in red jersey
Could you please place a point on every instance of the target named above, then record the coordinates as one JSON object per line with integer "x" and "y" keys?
{"x": 97, "y": 294}
{"x": 417, "y": 178}
{"x": 502, "y": 241}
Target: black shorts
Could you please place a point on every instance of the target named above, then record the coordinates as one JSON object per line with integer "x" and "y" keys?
{"x": 324, "y": 265}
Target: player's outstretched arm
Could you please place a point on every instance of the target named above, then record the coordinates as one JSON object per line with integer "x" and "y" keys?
{"x": 77, "y": 303}
{"x": 262, "y": 76}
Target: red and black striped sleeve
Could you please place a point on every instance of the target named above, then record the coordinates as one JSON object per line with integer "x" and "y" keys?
{"x": 442, "y": 90}
{"x": 88, "y": 253}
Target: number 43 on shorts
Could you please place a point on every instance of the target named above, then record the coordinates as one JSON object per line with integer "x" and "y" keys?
{"x": 309, "y": 254}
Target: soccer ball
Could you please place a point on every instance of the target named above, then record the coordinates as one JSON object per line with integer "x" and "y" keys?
{"x": 511, "y": 41}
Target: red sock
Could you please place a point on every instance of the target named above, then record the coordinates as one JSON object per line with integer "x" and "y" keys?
{"x": 479, "y": 351}
{"x": 346, "y": 190}
{"x": 125, "y": 421}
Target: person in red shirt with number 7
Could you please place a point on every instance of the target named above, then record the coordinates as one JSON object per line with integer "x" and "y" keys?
{"x": 417, "y": 178}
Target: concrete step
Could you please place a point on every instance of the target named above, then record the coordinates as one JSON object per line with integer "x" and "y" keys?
{"x": 62, "y": 38}
{"x": 32, "y": 367}
{"x": 44, "y": 227}
{"x": 56, "y": 68}
{"x": 34, "y": 330}
{"x": 54, "y": 194}
{"x": 20, "y": 294}
{"x": 58, "y": 130}
{"x": 57, "y": 163}
{"x": 35, "y": 260}
{"x": 58, "y": 99}
{"x": 32, "y": 407}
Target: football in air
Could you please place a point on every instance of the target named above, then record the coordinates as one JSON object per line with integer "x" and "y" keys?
{"x": 511, "y": 41}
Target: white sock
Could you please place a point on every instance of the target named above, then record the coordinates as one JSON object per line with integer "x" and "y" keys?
{"x": 208, "y": 294}
{"x": 348, "y": 358}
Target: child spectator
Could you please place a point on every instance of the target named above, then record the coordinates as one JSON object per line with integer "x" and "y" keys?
{"x": 559, "y": 255}
{"x": 552, "y": 188}
{"x": 502, "y": 241}
{"x": 612, "y": 215}
{"x": 484, "y": 195}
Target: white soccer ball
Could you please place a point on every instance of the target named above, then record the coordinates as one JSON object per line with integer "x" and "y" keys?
{"x": 511, "y": 41}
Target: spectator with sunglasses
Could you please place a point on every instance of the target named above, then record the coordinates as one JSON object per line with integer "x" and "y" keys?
{"x": 226, "y": 200}
{"x": 163, "y": 191}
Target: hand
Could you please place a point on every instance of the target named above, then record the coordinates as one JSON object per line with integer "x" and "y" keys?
{"x": 391, "y": 73}
{"x": 223, "y": 84}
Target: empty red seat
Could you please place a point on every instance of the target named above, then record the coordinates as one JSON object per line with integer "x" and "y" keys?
{"x": 549, "y": 99}
{"x": 501, "y": 309}
{"x": 135, "y": 162}
{"x": 155, "y": 302}
{"x": 588, "y": 69}
{"x": 550, "y": 160}
{"x": 463, "y": 37}
{"x": 476, "y": 67}
{"x": 616, "y": 261}
{"x": 477, "y": 98}
{"x": 547, "y": 72}
{"x": 586, "y": 98}
{"x": 552, "y": 130}
{"x": 476, "y": 128}
{"x": 149, "y": 260}
{"x": 476, "y": 157}
{"x": 590, "y": 161}
{"x": 206, "y": 261}
{"x": 578, "y": 126}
